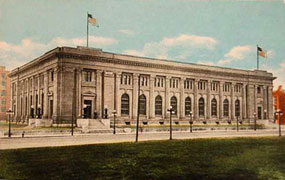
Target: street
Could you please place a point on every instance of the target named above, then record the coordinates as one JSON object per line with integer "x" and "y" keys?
{"x": 83, "y": 139}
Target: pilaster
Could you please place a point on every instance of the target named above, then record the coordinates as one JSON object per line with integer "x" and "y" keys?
{"x": 167, "y": 92}
{"x": 195, "y": 113}
{"x": 244, "y": 101}
{"x": 151, "y": 98}
{"x": 99, "y": 107}
{"x": 45, "y": 105}
{"x": 221, "y": 109}
{"x": 208, "y": 107}
{"x": 135, "y": 95}
{"x": 232, "y": 102}
{"x": 182, "y": 99}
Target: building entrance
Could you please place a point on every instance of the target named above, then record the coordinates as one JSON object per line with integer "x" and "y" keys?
{"x": 87, "y": 109}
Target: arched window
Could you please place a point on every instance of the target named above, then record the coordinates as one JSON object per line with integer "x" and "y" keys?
{"x": 214, "y": 107}
{"x": 187, "y": 106}
{"x": 142, "y": 99}
{"x": 201, "y": 106}
{"x": 125, "y": 104}
{"x": 226, "y": 108}
{"x": 173, "y": 103}
{"x": 158, "y": 105}
{"x": 237, "y": 108}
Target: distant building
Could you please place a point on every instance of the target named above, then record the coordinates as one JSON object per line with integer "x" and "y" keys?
{"x": 5, "y": 91}
{"x": 279, "y": 104}
{"x": 67, "y": 83}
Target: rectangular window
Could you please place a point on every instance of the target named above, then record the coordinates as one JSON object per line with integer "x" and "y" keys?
{"x": 126, "y": 79}
{"x": 87, "y": 76}
{"x": 3, "y": 93}
{"x": 51, "y": 76}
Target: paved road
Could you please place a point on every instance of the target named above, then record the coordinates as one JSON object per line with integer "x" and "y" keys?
{"x": 79, "y": 139}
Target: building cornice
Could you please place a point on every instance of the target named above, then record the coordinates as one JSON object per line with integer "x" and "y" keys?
{"x": 104, "y": 57}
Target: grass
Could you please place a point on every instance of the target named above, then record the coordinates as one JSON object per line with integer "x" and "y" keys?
{"x": 223, "y": 159}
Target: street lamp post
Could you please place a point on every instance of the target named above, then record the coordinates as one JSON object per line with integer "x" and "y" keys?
{"x": 114, "y": 126}
{"x": 237, "y": 123}
{"x": 9, "y": 112}
{"x": 254, "y": 114}
{"x": 279, "y": 113}
{"x": 171, "y": 110}
{"x": 191, "y": 121}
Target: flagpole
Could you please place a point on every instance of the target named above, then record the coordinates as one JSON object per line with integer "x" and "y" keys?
{"x": 87, "y": 29}
{"x": 257, "y": 54}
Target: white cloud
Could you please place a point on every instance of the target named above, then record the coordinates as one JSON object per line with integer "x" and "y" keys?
{"x": 183, "y": 44}
{"x": 270, "y": 53}
{"x": 237, "y": 53}
{"x": 127, "y": 32}
{"x": 12, "y": 55}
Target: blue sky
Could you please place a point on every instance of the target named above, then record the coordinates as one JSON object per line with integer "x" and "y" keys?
{"x": 214, "y": 32}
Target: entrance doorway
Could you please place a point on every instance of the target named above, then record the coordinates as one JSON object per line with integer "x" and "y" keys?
{"x": 87, "y": 109}
{"x": 259, "y": 112}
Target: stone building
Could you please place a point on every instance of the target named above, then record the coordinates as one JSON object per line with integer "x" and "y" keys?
{"x": 67, "y": 83}
{"x": 4, "y": 92}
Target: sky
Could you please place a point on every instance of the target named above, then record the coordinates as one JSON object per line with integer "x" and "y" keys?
{"x": 213, "y": 32}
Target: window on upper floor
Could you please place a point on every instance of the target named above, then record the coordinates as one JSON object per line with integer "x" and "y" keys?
{"x": 188, "y": 84}
{"x": 258, "y": 90}
{"x": 126, "y": 79}
{"x": 144, "y": 80}
{"x": 3, "y": 75}
{"x": 174, "y": 83}
{"x": 214, "y": 86}
{"x": 51, "y": 76}
{"x": 202, "y": 85}
{"x": 87, "y": 75}
{"x": 158, "y": 81}
{"x": 238, "y": 87}
{"x": 3, "y": 83}
{"x": 227, "y": 87}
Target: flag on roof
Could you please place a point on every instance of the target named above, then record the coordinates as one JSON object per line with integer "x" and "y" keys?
{"x": 92, "y": 20}
{"x": 261, "y": 52}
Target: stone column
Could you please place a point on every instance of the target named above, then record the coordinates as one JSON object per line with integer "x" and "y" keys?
{"x": 98, "y": 93}
{"x": 244, "y": 101}
{"x": 232, "y": 102}
{"x": 270, "y": 103}
{"x": 78, "y": 93}
{"x": 255, "y": 100}
{"x": 151, "y": 97}
{"x": 135, "y": 96}
{"x": 23, "y": 100}
{"x": 250, "y": 102}
{"x": 45, "y": 105}
{"x": 264, "y": 102}
{"x": 196, "y": 109}
{"x": 33, "y": 93}
{"x": 39, "y": 93}
{"x": 220, "y": 115}
{"x": 17, "y": 110}
{"x": 29, "y": 98}
{"x": 117, "y": 93}
{"x": 167, "y": 98}
{"x": 208, "y": 107}
{"x": 56, "y": 99}
{"x": 182, "y": 99}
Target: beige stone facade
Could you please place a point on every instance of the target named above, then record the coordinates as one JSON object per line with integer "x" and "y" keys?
{"x": 80, "y": 82}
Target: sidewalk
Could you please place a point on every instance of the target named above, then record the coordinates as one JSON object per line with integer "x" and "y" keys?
{"x": 83, "y": 139}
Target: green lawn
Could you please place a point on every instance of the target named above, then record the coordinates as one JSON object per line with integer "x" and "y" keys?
{"x": 238, "y": 158}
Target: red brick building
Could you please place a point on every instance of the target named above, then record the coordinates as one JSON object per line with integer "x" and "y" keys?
{"x": 279, "y": 103}
{"x": 5, "y": 84}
